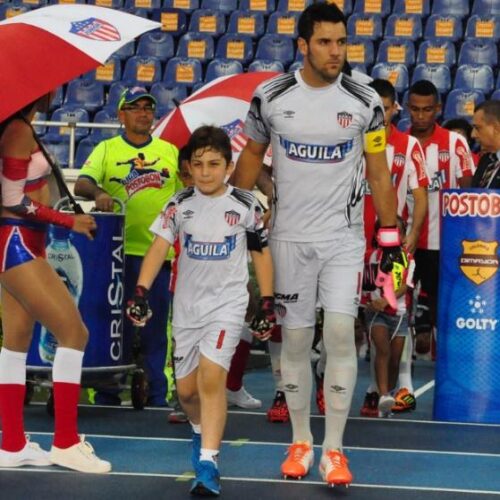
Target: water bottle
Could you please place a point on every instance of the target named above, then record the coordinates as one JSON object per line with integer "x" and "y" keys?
{"x": 65, "y": 260}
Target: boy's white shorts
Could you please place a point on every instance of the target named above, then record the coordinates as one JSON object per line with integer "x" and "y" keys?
{"x": 217, "y": 342}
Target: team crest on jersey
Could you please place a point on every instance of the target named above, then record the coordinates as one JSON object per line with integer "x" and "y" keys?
{"x": 479, "y": 260}
{"x": 444, "y": 156}
{"x": 232, "y": 217}
{"x": 399, "y": 160}
{"x": 344, "y": 119}
{"x": 95, "y": 29}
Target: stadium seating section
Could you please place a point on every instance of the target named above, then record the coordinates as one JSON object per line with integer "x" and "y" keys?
{"x": 453, "y": 43}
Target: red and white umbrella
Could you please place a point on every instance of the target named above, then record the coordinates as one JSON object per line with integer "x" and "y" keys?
{"x": 224, "y": 102}
{"x": 47, "y": 47}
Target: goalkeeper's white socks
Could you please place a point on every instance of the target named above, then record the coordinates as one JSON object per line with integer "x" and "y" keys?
{"x": 275, "y": 355}
{"x": 297, "y": 379}
{"x": 340, "y": 375}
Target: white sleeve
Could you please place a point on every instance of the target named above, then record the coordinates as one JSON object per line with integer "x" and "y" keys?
{"x": 257, "y": 126}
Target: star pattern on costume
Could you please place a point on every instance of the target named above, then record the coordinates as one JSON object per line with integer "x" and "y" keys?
{"x": 31, "y": 209}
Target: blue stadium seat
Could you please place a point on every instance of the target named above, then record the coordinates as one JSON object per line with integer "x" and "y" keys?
{"x": 420, "y": 7}
{"x": 283, "y": 23}
{"x": 83, "y": 150}
{"x": 263, "y": 6}
{"x": 484, "y": 27}
{"x": 173, "y": 21}
{"x": 444, "y": 27}
{"x": 222, "y": 67}
{"x": 461, "y": 103}
{"x": 295, "y": 65}
{"x": 57, "y": 134}
{"x": 128, "y": 50}
{"x": 138, "y": 12}
{"x": 246, "y": 23}
{"x": 475, "y": 77}
{"x": 183, "y": 71}
{"x": 112, "y": 4}
{"x": 234, "y": 46}
{"x": 437, "y": 52}
{"x": 8, "y": 10}
{"x": 486, "y": 7}
{"x": 293, "y": 5}
{"x": 167, "y": 98}
{"x": 86, "y": 94}
{"x": 114, "y": 95}
{"x": 346, "y": 6}
{"x": 105, "y": 115}
{"x": 397, "y": 74}
{"x": 185, "y": 5}
{"x": 458, "y": 8}
{"x": 359, "y": 51}
{"x": 438, "y": 74}
{"x": 58, "y": 99}
{"x": 266, "y": 65}
{"x": 156, "y": 43}
{"x": 367, "y": 27}
{"x": 141, "y": 70}
{"x": 40, "y": 129}
{"x": 59, "y": 151}
{"x": 397, "y": 51}
{"x": 276, "y": 48}
{"x": 208, "y": 21}
{"x": 108, "y": 73}
{"x": 198, "y": 45}
{"x": 496, "y": 95}
{"x": 404, "y": 26}
{"x": 225, "y": 6}
{"x": 404, "y": 124}
{"x": 381, "y": 7}
{"x": 142, "y": 4}
{"x": 478, "y": 52}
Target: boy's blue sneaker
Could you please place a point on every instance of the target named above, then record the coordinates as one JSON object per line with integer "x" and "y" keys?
{"x": 207, "y": 480}
{"x": 195, "y": 453}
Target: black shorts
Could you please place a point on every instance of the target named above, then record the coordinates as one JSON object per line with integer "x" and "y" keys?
{"x": 427, "y": 272}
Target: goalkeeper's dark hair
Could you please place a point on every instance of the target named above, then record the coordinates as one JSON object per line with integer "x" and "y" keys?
{"x": 424, "y": 88}
{"x": 318, "y": 13}
{"x": 384, "y": 88}
{"x": 209, "y": 137}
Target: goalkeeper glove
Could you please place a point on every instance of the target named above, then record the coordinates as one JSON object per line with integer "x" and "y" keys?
{"x": 138, "y": 310}
{"x": 264, "y": 320}
{"x": 390, "y": 275}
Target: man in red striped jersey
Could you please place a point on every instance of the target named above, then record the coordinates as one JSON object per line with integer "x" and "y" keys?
{"x": 449, "y": 165}
{"x": 406, "y": 162}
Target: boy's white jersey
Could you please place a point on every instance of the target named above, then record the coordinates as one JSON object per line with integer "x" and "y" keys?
{"x": 318, "y": 140}
{"x": 213, "y": 262}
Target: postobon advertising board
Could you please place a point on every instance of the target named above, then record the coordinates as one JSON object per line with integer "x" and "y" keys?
{"x": 468, "y": 340}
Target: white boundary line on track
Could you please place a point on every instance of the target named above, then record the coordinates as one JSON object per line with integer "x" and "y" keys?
{"x": 261, "y": 480}
{"x": 421, "y": 390}
{"x": 270, "y": 443}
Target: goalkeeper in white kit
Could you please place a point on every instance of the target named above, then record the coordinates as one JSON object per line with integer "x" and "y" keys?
{"x": 216, "y": 224}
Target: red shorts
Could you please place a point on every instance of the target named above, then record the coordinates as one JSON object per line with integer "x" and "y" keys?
{"x": 20, "y": 242}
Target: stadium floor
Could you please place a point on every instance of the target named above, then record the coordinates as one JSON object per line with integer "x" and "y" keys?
{"x": 405, "y": 457}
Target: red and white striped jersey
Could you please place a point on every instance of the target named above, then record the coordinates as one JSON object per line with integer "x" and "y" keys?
{"x": 406, "y": 162}
{"x": 448, "y": 159}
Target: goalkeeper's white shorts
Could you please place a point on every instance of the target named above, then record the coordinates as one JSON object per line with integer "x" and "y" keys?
{"x": 216, "y": 341}
{"x": 326, "y": 272}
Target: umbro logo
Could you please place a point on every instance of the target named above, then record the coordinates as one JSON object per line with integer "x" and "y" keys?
{"x": 288, "y": 113}
{"x": 188, "y": 214}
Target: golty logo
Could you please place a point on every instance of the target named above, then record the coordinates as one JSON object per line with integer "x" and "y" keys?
{"x": 476, "y": 321}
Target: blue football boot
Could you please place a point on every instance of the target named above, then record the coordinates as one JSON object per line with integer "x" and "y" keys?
{"x": 207, "y": 480}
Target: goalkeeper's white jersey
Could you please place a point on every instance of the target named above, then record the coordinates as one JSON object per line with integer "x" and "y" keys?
{"x": 318, "y": 137}
{"x": 213, "y": 262}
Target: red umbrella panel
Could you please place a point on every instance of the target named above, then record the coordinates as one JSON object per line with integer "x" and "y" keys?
{"x": 224, "y": 102}
{"x": 47, "y": 47}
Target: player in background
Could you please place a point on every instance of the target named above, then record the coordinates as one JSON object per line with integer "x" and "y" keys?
{"x": 406, "y": 162}
{"x": 449, "y": 165}
{"x": 216, "y": 224}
